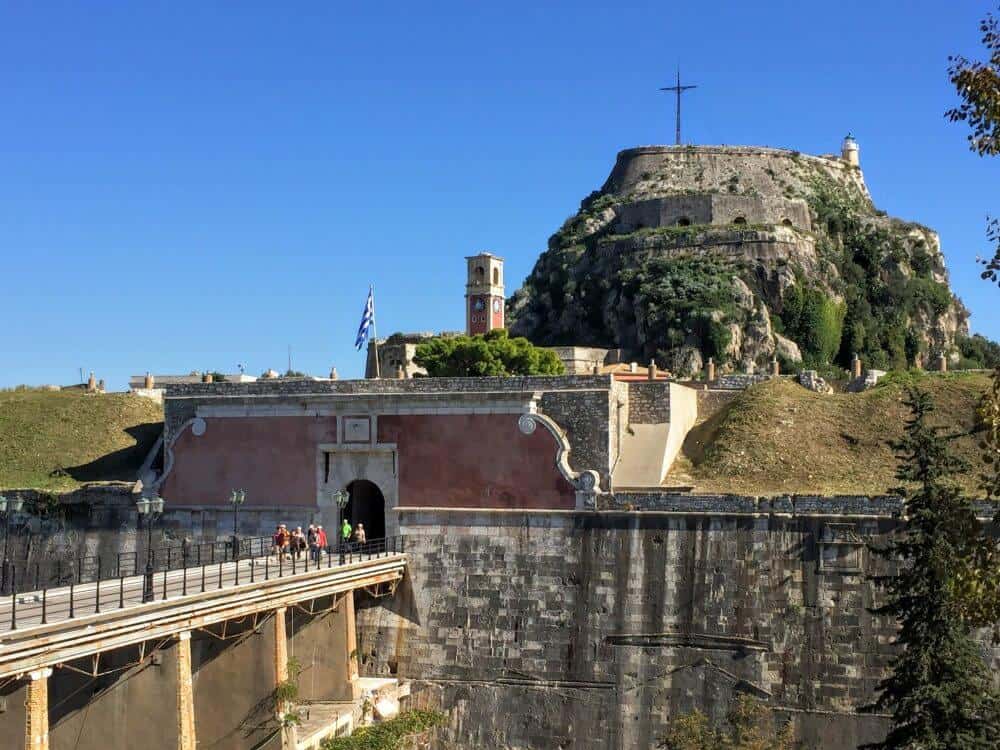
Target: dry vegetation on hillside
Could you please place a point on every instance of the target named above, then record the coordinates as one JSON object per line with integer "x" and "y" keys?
{"x": 58, "y": 440}
{"x": 778, "y": 437}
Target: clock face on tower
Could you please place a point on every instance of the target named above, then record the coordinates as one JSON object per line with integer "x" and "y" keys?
{"x": 478, "y": 305}
{"x": 496, "y": 305}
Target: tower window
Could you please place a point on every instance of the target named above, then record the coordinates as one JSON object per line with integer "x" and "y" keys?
{"x": 496, "y": 276}
{"x": 480, "y": 275}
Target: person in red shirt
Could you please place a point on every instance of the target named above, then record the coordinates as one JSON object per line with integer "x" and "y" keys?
{"x": 321, "y": 539}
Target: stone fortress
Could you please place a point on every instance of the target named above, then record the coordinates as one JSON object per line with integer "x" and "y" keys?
{"x": 559, "y": 594}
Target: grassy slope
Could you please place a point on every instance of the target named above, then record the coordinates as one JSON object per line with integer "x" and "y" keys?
{"x": 780, "y": 438}
{"x": 57, "y": 440}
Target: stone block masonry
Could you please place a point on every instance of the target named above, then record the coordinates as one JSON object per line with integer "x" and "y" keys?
{"x": 649, "y": 402}
{"x": 590, "y": 630}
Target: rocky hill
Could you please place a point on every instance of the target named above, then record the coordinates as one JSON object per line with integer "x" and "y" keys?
{"x": 741, "y": 254}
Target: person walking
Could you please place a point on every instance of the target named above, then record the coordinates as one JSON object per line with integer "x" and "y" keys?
{"x": 298, "y": 542}
{"x": 276, "y": 540}
{"x": 321, "y": 539}
{"x": 312, "y": 538}
{"x": 345, "y": 532}
{"x": 359, "y": 535}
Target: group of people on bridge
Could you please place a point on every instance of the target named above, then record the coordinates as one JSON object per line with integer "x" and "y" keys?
{"x": 314, "y": 539}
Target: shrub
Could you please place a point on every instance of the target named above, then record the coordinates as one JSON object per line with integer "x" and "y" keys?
{"x": 388, "y": 735}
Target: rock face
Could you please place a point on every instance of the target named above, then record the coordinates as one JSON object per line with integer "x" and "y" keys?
{"x": 742, "y": 254}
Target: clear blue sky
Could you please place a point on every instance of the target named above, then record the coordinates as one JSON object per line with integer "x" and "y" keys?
{"x": 190, "y": 185}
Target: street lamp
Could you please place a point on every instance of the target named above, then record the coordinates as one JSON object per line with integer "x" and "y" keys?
{"x": 237, "y": 498}
{"x": 150, "y": 507}
{"x": 8, "y": 507}
{"x": 340, "y": 497}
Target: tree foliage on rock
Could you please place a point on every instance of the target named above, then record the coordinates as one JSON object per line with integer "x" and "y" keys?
{"x": 683, "y": 301}
{"x": 751, "y": 727}
{"x": 493, "y": 353}
{"x": 940, "y": 691}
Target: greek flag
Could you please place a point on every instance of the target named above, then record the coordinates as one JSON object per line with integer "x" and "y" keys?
{"x": 367, "y": 320}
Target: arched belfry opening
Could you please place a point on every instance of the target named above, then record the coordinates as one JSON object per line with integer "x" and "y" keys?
{"x": 366, "y": 505}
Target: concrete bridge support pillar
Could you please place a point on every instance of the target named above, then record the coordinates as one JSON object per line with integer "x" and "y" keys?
{"x": 36, "y": 725}
{"x": 351, "y": 638}
{"x": 289, "y": 736}
{"x": 186, "y": 737}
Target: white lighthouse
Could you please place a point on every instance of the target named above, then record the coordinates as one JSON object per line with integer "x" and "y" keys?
{"x": 849, "y": 151}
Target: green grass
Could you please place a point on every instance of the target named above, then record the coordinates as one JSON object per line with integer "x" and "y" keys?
{"x": 57, "y": 440}
{"x": 778, "y": 437}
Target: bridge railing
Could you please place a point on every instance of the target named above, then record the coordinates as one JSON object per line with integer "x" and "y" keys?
{"x": 89, "y": 583}
{"x": 33, "y": 575}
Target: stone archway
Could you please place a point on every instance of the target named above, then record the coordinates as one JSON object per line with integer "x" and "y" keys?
{"x": 366, "y": 506}
{"x": 338, "y": 466}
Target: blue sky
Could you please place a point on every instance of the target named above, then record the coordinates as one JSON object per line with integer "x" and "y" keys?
{"x": 191, "y": 185}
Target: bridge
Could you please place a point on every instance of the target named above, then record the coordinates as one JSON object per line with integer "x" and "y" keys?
{"x": 47, "y": 629}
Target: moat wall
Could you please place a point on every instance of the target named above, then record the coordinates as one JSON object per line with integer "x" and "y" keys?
{"x": 583, "y": 630}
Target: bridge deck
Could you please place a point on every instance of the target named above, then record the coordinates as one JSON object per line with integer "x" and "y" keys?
{"x": 40, "y": 629}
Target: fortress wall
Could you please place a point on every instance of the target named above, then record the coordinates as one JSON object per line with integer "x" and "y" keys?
{"x": 711, "y": 209}
{"x": 649, "y": 402}
{"x": 582, "y": 630}
{"x": 766, "y": 171}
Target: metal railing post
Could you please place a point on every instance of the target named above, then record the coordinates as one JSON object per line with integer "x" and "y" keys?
{"x": 45, "y": 598}
{"x": 97, "y": 597}
{"x": 165, "y": 584}
{"x": 71, "y": 600}
{"x": 184, "y": 580}
{"x": 121, "y": 592}
{"x": 203, "y": 578}
{"x": 13, "y": 598}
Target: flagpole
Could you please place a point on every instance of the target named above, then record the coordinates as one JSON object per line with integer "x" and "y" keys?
{"x": 378, "y": 367}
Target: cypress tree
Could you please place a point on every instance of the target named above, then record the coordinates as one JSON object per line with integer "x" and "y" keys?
{"x": 940, "y": 691}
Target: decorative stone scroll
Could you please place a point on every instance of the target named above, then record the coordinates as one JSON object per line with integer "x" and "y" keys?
{"x": 587, "y": 483}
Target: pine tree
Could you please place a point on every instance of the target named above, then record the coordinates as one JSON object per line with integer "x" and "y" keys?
{"x": 940, "y": 691}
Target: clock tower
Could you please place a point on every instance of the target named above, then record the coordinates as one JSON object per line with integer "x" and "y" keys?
{"x": 484, "y": 300}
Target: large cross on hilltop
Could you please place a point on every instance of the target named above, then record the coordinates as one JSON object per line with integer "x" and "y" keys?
{"x": 679, "y": 89}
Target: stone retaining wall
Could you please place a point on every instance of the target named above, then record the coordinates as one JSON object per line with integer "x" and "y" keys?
{"x": 583, "y": 630}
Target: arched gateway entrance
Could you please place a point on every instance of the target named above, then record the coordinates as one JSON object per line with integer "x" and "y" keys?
{"x": 366, "y": 506}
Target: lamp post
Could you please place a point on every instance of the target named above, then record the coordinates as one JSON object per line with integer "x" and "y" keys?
{"x": 150, "y": 508}
{"x": 340, "y": 497}
{"x": 8, "y": 507}
{"x": 237, "y": 498}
